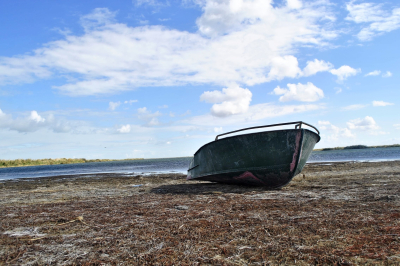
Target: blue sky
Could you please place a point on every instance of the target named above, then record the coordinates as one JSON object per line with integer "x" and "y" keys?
{"x": 149, "y": 78}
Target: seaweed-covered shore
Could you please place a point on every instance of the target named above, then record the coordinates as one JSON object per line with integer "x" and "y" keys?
{"x": 331, "y": 214}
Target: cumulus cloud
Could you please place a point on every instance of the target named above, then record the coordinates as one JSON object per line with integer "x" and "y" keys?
{"x": 124, "y": 129}
{"x": 36, "y": 117}
{"x": 255, "y": 113}
{"x": 34, "y": 121}
{"x": 149, "y": 117}
{"x": 244, "y": 42}
{"x": 381, "y": 103}
{"x": 294, "y": 4}
{"x": 316, "y": 66}
{"x": 388, "y": 74}
{"x": 344, "y": 72}
{"x": 338, "y": 90}
{"x": 99, "y": 17}
{"x": 374, "y": 18}
{"x": 299, "y": 92}
{"x": 229, "y": 101}
{"x": 365, "y": 124}
{"x": 286, "y": 66}
{"x": 130, "y": 102}
{"x": 334, "y": 131}
{"x": 113, "y": 105}
{"x": 354, "y": 107}
{"x": 373, "y": 73}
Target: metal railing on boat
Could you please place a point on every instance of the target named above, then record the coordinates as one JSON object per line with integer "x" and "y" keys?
{"x": 298, "y": 126}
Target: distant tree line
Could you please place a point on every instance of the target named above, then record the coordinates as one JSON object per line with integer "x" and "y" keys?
{"x": 358, "y": 147}
{"x": 30, "y": 162}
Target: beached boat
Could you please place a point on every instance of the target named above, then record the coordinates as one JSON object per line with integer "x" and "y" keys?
{"x": 268, "y": 158}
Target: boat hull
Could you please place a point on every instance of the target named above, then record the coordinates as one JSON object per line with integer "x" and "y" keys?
{"x": 269, "y": 159}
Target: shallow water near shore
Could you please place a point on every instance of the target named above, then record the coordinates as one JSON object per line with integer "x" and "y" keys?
{"x": 180, "y": 165}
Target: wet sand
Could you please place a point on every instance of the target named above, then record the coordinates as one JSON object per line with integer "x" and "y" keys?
{"x": 333, "y": 213}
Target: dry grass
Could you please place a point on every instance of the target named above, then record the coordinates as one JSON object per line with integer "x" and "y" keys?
{"x": 338, "y": 214}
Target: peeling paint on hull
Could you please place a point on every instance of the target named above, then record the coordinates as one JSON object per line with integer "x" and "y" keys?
{"x": 269, "y": 159}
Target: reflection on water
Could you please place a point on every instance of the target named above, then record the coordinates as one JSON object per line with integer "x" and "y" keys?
{"x": 180, "y": 165}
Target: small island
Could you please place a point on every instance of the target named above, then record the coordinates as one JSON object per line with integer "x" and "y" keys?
{"x": 354, "y": 147}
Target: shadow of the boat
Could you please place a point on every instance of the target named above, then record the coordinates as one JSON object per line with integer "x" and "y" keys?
{"x": 206, "y": 188}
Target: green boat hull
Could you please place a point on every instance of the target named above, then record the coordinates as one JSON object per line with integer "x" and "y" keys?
{"x": 269, "y": 159}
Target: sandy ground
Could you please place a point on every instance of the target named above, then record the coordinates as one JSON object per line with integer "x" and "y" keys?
{"x": 330, "y": 214}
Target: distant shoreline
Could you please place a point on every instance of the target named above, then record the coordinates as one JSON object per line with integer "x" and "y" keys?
{"x": 30, "y": 162}
{"x": 354, "y": 147}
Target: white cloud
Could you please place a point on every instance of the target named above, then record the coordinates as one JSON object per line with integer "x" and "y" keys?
{"x": 163, "y": 106}
{"x": 316, "y": 66}
{"x": 99, "y": 17}
{"x": 229, "y": 101}
{"x": 334, "y": 131}
{"x": 388, "y": 74}
{"x": 124, "y": 129}
{"x": 113, "y": 105}
{"x": 344, "y": 72}
{"x": 255, "y": 113}
{"x": 244, "y": 42}
{"x": 373, "y": 73}
{"x": 374, "y": 18}
{"x": 365, "y": 12}
{"x": 381, "y": 103}
{"x": 397, "y": 126}
{"x": 300, "y": 92}
{"x": 34, "y": 121}
{"x": 149, "y": 117}
{"x": 217, "y": 129}
{"x": 364, "y": 124}
{"x": 130, "y": 102}
{"x": 338, "y": 90}
{"x": 286, "y": 66}
{"x": 354, "y": 107}
{"x": 153, "y": 122}
{"x": 36, "y": 117}
{"x": 323, "y": 123}
{"x": 294, "y": 4}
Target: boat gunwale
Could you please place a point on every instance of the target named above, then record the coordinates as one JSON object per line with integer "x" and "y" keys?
{"x": 254, "y": 133}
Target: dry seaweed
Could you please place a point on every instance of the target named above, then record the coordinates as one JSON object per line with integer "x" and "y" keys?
{"x": 336, "y": 214}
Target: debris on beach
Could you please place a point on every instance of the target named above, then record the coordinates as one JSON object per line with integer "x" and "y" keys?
{"x": 338, "y": 214}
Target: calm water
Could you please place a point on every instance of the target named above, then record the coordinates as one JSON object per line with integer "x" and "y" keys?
{"x": 180, "y": 165}
{"x": 373, "y": 154}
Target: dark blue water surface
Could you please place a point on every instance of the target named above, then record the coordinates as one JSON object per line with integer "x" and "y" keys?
{"x": 180, "y": 165}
